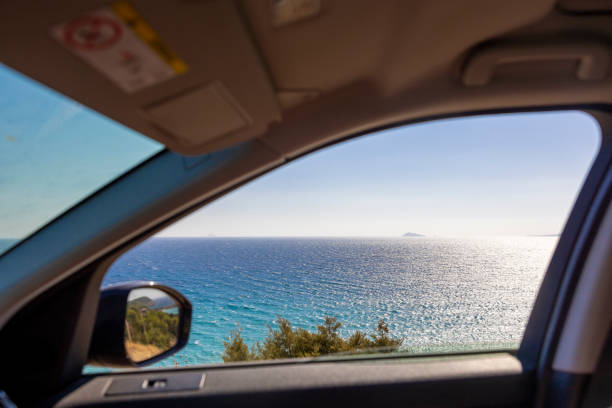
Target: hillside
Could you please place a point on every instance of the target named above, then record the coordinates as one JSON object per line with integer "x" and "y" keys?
{"x": 142, "y": 301}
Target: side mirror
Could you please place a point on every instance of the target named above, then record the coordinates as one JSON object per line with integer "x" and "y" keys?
{"x": 139, "y": 323}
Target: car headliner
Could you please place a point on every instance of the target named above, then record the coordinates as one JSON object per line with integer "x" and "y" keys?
{"x": 354, "y": 65}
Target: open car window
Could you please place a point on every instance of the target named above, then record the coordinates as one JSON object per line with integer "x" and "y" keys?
{"x": 428, "y": 238}
{"x": 54, "y": 152}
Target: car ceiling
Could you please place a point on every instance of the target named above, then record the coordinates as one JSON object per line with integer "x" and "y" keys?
{"x": 301, "y": 73}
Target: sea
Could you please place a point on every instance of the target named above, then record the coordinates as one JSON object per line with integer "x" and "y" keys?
{"x": 437, "y": 294}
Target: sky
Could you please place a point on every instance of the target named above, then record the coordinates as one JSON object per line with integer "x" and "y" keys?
{"x": 511, "y": 174}
{"x": 151, "y": 293}
{"x": 55, "y": 152}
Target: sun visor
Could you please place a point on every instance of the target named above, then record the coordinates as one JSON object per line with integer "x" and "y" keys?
{"x": 203, "y": 114}
{"x": 190, "y": 78}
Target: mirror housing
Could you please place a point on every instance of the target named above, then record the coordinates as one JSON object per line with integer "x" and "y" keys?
{"x": 108, "y": 344}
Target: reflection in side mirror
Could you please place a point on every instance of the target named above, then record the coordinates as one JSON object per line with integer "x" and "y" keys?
{"x": 151, "y": 324}
{"x": 139, "y": 323}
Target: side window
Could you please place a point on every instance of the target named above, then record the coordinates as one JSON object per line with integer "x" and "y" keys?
{"x": 420, "y": 239}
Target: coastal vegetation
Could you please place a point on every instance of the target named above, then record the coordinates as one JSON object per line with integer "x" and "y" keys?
{"x": 289, "y": 342}
{"x": 151, "y": 327}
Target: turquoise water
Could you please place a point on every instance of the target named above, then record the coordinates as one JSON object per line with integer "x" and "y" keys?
{"x": 436, "y": 293}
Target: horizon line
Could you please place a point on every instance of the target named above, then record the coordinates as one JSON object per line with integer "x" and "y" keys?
{"x": 356, "y": 236}
{"x": 335, "y": 236}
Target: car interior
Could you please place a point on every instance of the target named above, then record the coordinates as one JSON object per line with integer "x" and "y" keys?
{"x": 249, "y": 86}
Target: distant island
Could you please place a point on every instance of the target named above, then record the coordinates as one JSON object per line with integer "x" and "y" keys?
{"x": 412, "y": 234}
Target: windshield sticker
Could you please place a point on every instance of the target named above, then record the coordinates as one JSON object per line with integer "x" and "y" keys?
{"x": 120, "y": 44}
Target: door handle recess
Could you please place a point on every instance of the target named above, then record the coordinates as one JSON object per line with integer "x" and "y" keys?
{"x": 144, "y": 383}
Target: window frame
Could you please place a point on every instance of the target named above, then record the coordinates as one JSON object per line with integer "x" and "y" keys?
{"x": 537, "y": 346}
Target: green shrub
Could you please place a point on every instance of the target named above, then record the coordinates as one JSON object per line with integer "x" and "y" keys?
{"x": 153, "y": 327}
{"x": 287, "y": 342}
{"x": 236, "y": 349}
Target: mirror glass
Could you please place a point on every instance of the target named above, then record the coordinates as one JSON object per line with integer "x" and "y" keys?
{"x": 151, "y": 323}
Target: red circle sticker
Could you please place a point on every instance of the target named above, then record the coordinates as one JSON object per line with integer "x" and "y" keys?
{"x": 92, "y": 33}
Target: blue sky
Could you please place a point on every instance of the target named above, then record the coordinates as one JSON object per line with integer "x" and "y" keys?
{"x": 55, "y": 152}
{"x": 514, "y": 174}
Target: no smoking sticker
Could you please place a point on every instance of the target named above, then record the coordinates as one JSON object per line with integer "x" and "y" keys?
{"x": 92, "y": 33}
{"x": 121, "y": 45}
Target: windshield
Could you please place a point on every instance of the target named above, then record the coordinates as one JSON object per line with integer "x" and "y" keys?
{"x": 54, "y": 152}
